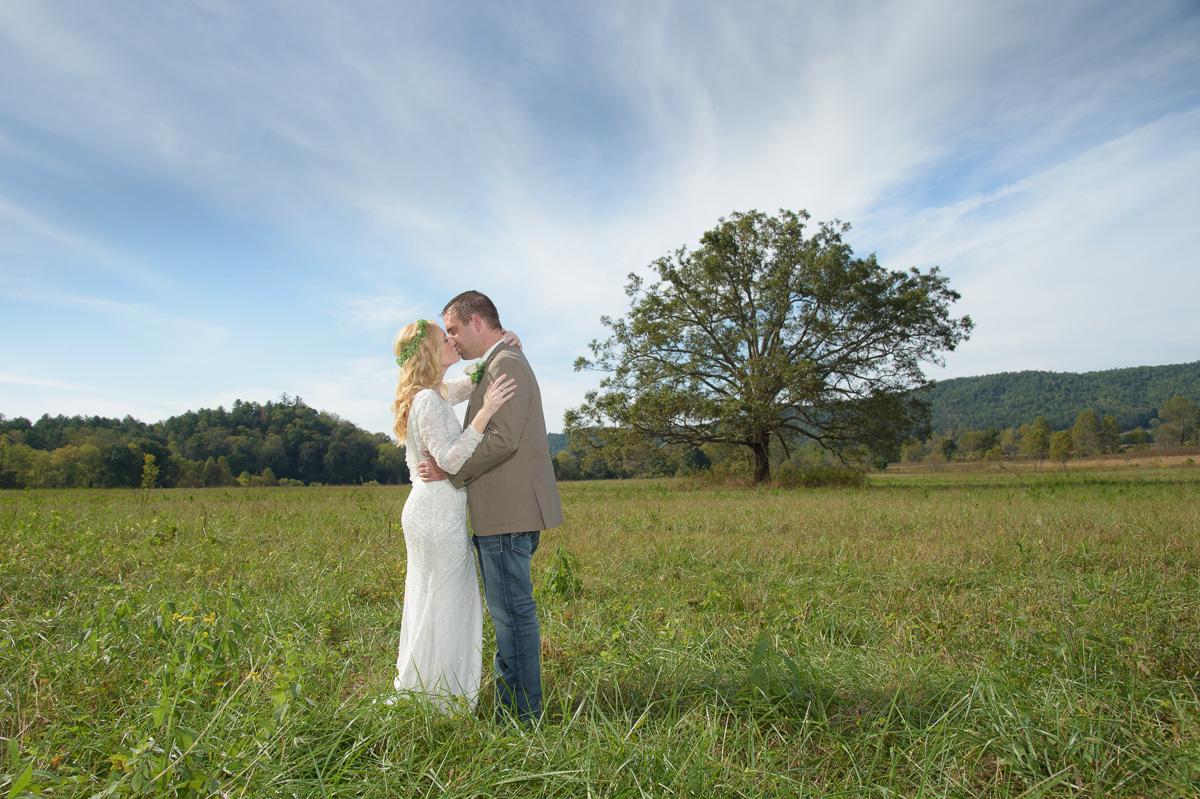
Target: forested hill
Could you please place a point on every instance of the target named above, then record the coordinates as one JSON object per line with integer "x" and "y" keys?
{"x": 277, "y": 442}
{"x": 1011, "y": 399}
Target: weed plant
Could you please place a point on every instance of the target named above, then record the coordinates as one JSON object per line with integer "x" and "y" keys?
{"x": 923, "y": 635}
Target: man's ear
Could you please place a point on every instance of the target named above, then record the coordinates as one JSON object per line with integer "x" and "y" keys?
{"x": 477, "y": 322}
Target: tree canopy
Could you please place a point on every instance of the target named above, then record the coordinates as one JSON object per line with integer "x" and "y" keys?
{"x": 765, "y": 333}
{"x": 1177, "y": 421}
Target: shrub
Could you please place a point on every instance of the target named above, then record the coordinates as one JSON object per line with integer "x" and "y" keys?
{"x": 820, "y": 477}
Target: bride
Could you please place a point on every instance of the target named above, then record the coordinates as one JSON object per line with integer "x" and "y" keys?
{"x": 441, "y": 627}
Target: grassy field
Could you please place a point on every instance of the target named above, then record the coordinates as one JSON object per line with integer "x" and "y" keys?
{"x": 931, "y": 634}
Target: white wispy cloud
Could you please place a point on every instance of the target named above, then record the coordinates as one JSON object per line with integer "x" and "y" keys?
{"x": 39, "y": 382}
{"x": 383, "y": 313}
{"x": 36, "y": 244}
{"x": 125, "y": 313}
{"x": 1077, "y": 267}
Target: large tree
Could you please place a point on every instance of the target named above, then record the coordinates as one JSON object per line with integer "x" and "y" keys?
{"x": 1085, "y": 435}
{"x": 765, "y": 333}
{"x": 1179, "y": 418}
{"x": 1062, "y": 446}
{"x": 1036, "y": 442}
{"x": 1110, "y": 434}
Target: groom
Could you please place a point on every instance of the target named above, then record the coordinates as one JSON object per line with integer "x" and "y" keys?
{"x": 511, "y": 498}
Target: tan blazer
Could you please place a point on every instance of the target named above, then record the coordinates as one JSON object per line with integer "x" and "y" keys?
{"x": 510, "y": 478}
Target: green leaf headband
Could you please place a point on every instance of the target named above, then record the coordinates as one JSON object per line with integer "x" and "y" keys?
{"x": 410, "y": 349}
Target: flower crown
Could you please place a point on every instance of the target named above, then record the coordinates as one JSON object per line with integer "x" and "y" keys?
{"x": 410, "y": 349}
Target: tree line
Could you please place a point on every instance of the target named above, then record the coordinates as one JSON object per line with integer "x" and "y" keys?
{"x": 1176, "y": 423}
{"x": 274, "y": 443}
{"x": 289, "y": 443}
{"x": 1131, "y": 396}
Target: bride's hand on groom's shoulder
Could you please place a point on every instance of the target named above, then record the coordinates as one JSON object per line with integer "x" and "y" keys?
{"x": 512, "y": 339}
{"x": 499, "y": 391}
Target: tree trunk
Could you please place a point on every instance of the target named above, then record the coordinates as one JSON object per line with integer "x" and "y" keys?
{"x": 760, "y": 455}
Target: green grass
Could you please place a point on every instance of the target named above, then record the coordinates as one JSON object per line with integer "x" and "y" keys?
{"x": 927, "y": 635}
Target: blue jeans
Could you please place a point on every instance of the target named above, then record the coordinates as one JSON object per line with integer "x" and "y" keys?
{"x": 507, "y": 587}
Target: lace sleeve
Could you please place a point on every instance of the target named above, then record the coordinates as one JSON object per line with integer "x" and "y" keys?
{"x": 438, "y": 430}
{"x": 459, "y": 389}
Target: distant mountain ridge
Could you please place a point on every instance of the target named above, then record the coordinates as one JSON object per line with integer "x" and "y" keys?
{"x": 1009, "y": 399}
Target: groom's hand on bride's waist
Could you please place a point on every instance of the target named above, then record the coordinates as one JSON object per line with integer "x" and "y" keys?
{"x": 428, "y": 469}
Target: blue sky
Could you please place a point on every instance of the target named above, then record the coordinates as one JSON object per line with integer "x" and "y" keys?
{"x": 215, "y": 200}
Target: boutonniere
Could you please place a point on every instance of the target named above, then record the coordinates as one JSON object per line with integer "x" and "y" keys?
{"x": 476, "y": 372}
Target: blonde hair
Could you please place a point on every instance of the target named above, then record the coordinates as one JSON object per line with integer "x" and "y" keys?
{"x": 420, "y": 370}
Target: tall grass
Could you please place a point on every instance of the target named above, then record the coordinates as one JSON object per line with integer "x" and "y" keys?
{"x": 925, "y": 635}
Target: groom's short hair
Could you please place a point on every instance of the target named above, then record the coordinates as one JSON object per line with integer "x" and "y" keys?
{"x": 470, "y": 303}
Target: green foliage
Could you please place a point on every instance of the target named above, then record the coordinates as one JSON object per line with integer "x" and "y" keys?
{"x": 781, "y": 681}
{"x": 819, "y": 477}
{"x": 207, "y": 447}
{"x": 1177, "y": 422}
{"x": 1137, "y": 437}
{"x": 1175, "y": 426}
{"x": 765, "y": 333}
{"x": 1085, "y": 435}
{"x": 557, "y": 442}
{"x": 561, "y": 579}
{"x": 1109, "y": 437}
{"x": 149, "y": 472}
{"x": 1062, "y": 446}
{"x": 1131, "y": 396}
{"x": 973, "y": 443}
{"x": 1036, "y": 441}
{"x": 912, "y": 450}
{"x": 216, "y": 474}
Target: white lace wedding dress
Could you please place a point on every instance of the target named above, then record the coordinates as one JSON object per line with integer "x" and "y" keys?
{"x": 441, "y": 628}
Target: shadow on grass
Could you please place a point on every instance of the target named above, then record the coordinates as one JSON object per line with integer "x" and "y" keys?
{"x": 773, "y": 688}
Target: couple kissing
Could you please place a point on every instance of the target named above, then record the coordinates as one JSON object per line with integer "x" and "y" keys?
{"x": 496, "y": 470}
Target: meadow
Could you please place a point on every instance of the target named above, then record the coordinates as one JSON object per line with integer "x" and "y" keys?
{"x": 929, "y": 634}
